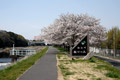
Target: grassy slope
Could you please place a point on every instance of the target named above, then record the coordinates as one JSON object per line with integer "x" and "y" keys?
{"x": 13, "y": 72}
{"x": 95, "y": 69}
{"x": 100, "y": 70}
{"x": 61, "y": 49}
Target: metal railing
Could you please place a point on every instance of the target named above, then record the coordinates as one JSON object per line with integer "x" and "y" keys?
{"x": 106, "y": 52}
{"x": 23, "y": 52}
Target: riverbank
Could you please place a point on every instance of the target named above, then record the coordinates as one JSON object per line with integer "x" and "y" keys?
{"x": 14, "y": 71}
{"x": 6, "y": 61}
{"x": 5, "y": 52}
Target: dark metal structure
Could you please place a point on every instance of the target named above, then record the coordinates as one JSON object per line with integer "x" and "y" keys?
{"x": 82, "y": 48}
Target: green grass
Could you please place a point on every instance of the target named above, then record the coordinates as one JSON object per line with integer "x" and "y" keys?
{"x": 93, "y": 60}
{"x": 112, "y": 75}
{"x": 81, "y": 79}
{"x": 96, "y": 79}
{"x": 63, "y": 69}
{"x": 112, "y": 71}
{"x": 60, "y": 55}
{"x": 61, "y": 49}
{"x": 13, "y": 72}
{"x": 69, "y": 73}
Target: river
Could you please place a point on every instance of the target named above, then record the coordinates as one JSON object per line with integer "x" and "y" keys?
{"x": 4, "y": 62}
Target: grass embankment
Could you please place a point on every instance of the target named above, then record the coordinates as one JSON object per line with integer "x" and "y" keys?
{"x": 61, "y": 49}
{"x": 13, "y": 72}
{"x": 93, "y": 69}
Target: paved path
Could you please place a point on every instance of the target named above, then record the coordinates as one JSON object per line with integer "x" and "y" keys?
{"x": 113, "y": 62}
{"x": 44, "y": 69}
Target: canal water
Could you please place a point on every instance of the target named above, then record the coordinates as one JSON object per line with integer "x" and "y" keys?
{"x": 4, "y": 62}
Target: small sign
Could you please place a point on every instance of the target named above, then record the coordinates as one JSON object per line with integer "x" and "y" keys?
{"x": 81, "y": 49}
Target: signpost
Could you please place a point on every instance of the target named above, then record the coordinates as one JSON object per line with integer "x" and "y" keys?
{"x": 81, "y": 49}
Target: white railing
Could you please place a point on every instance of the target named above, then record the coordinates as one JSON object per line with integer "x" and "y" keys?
{"x": 23, "y": 52}
{"x": 105, "y": 52}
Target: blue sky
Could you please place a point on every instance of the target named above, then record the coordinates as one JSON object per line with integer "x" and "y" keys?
{"x": 28, "y": 17}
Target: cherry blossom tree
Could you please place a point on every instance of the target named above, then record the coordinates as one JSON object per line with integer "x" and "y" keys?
{"x": 70, "y": 28}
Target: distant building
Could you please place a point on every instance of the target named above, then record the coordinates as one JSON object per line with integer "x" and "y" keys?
{"x": 37, "y": 37}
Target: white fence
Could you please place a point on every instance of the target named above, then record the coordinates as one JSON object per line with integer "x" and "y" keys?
{"x": 106, "y": 52}
{"x": 24, "y": 52}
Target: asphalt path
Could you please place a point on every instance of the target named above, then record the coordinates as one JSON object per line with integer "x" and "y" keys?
{"x": 113, "y": 62}
{"x": 44, "y": 69}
